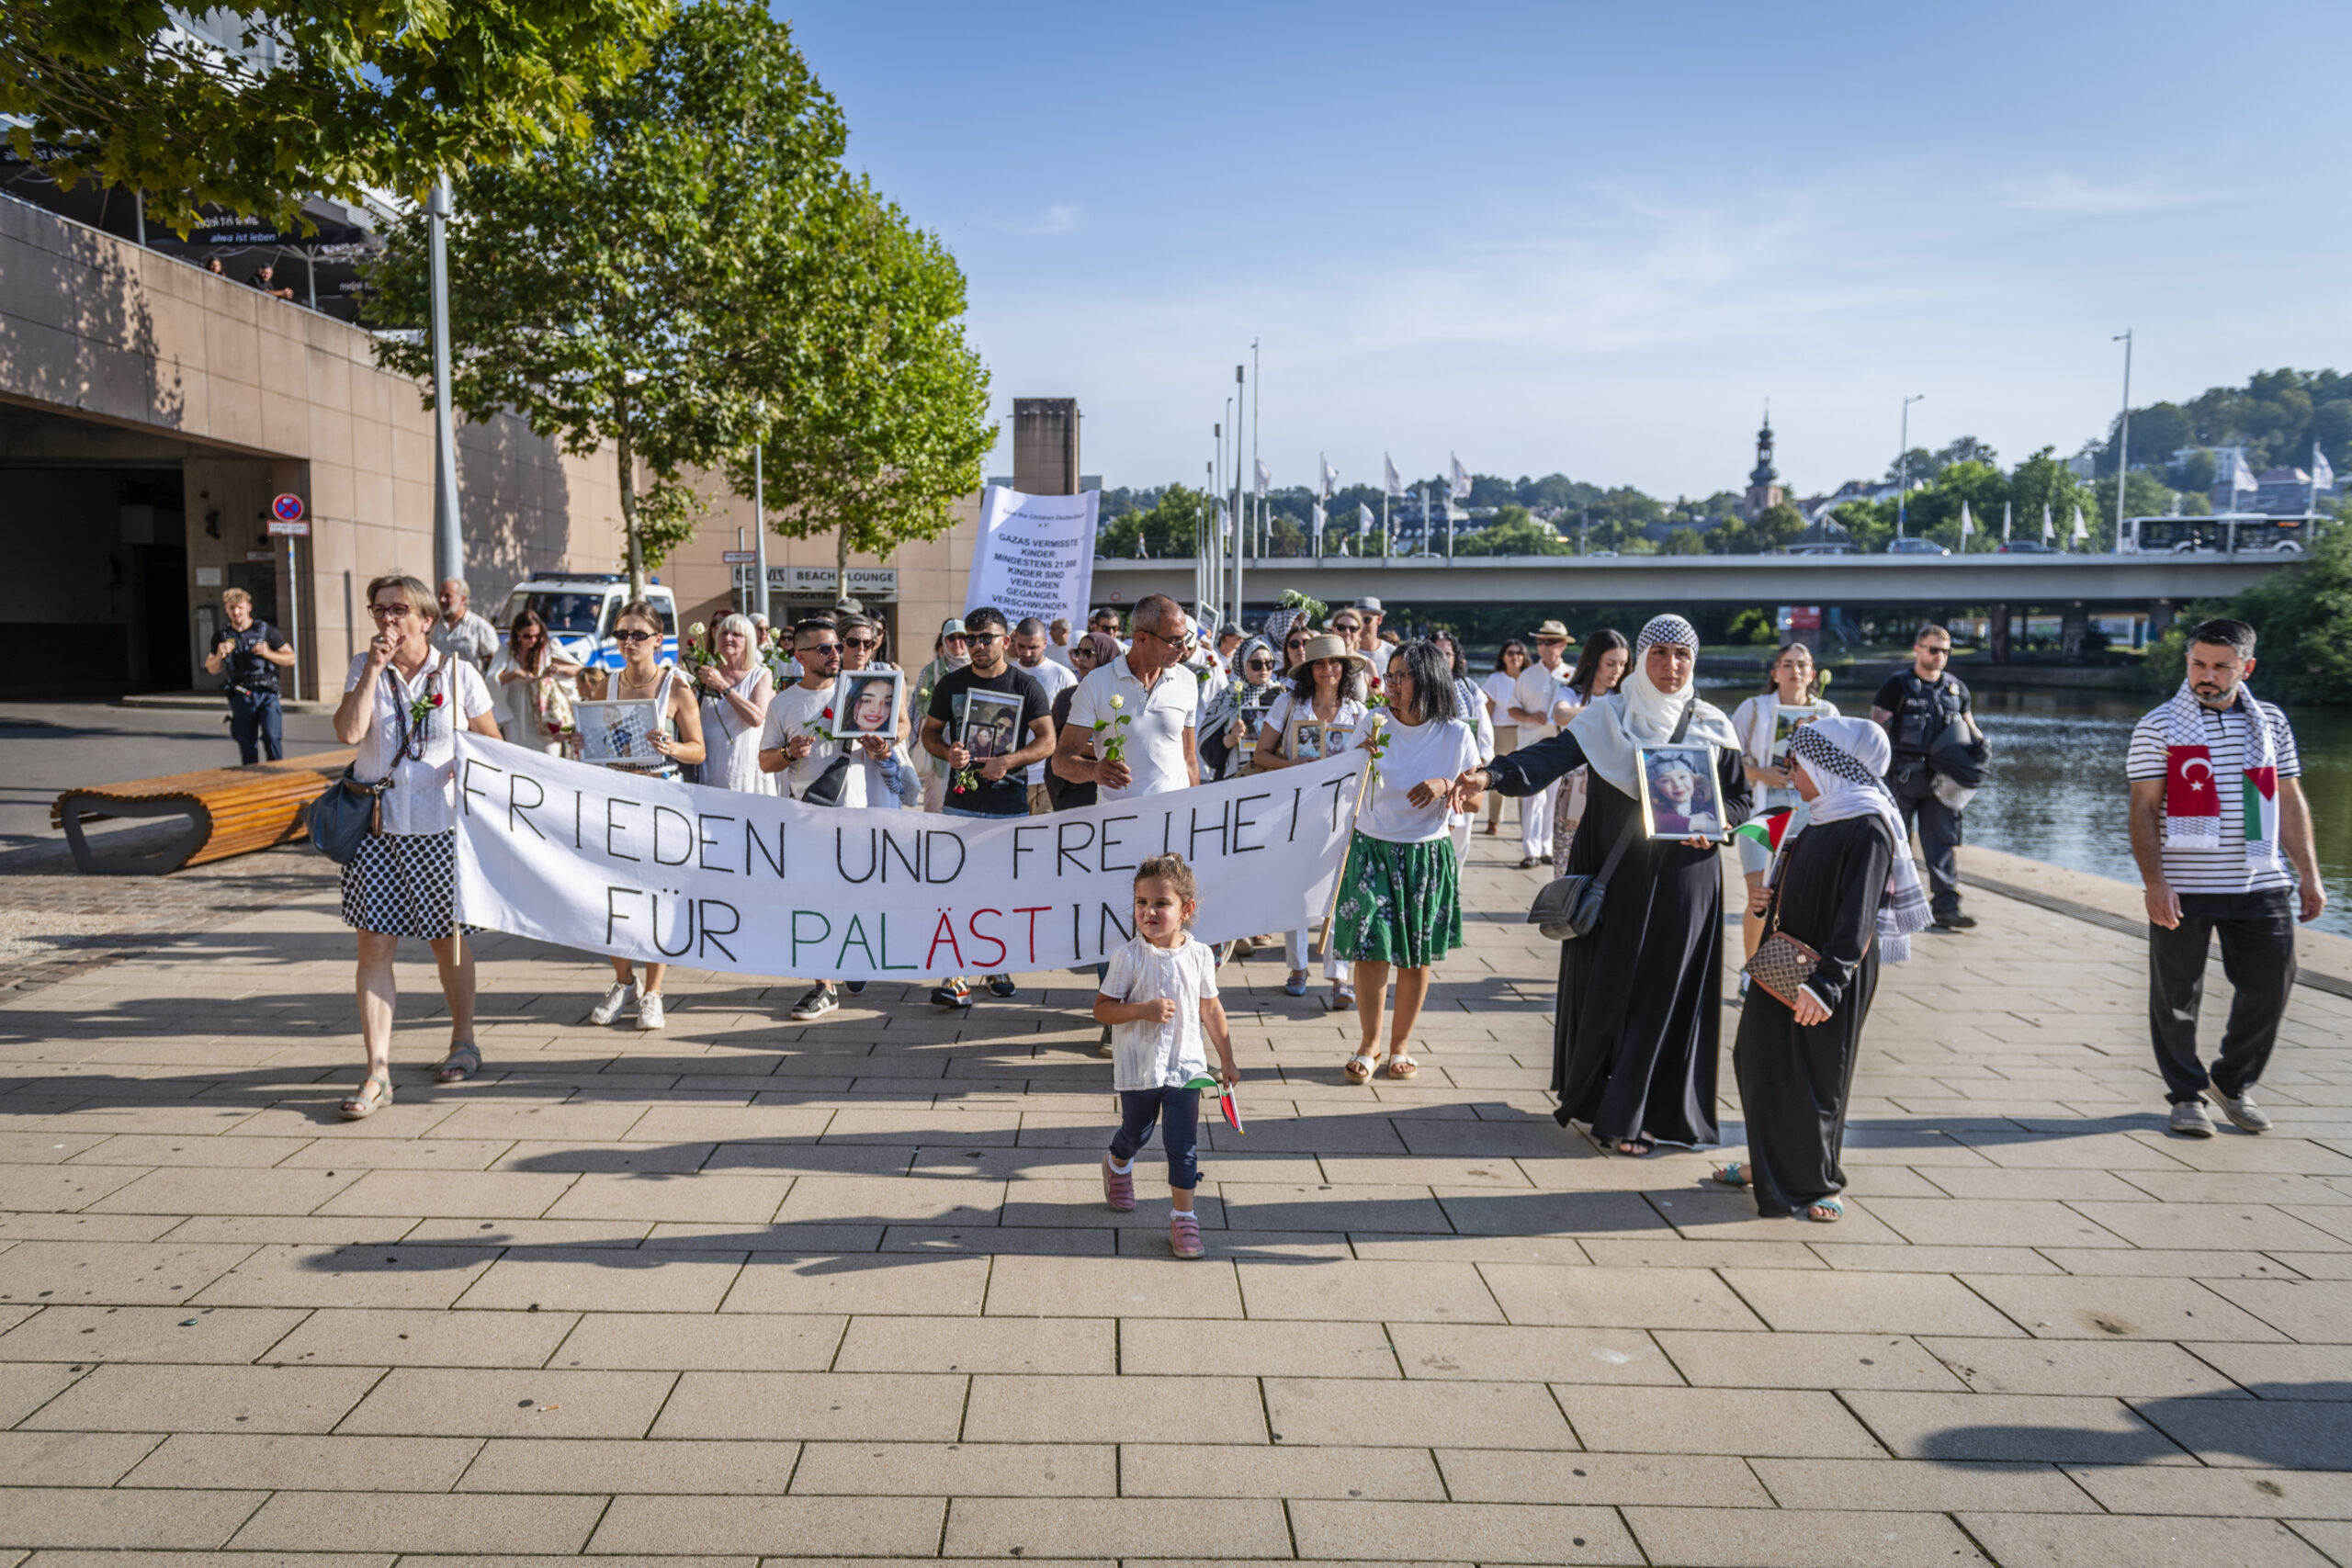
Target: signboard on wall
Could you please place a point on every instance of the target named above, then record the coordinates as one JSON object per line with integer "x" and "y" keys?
{"x": 874, "y": 584}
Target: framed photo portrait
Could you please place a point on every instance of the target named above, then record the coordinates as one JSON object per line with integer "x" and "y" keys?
{"x": 619, "y": 733}
{"x": 1790, "y": 719}
{"x": 865, "y": 702}
{"x": 1306, "y": 739}
{"x": 1681, "y": 796}
{"x": 991, "y": 724}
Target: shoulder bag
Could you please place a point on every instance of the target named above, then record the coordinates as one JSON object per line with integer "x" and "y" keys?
{"x": 1781, "y": 963}
{"x": 1569, "y": 907}
{"x": 352, "y": 810}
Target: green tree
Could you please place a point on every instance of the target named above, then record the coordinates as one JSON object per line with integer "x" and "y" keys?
{"x": 2145, "y": 496}
{"x": 888, "y": 424}
{"x": 1775, "y": 527}
{"x": 1683, "y": 542}
{"x": 657, "y": 282}
{"x": 1514, "y": 533}
{"x": 374, "y": 93}
{"x": 2302, "y": 620}
{"x": 2042, "y": 480}
{"x": 1172, "y": 526}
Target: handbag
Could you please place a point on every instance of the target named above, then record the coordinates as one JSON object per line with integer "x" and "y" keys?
{"x": 349, "y": 812}
{"x": 1569, "y": 907}
{"x": 1781, "y": 963}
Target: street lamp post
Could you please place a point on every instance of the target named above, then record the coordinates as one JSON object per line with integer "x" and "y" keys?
{"x": 1903, "y": 464}
{"x": 448, "y": 532}
{"x": 2123, "y": 435}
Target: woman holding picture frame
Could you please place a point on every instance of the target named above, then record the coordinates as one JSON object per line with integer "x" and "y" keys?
{"x": 1791, "y": 696}
{"x": 1326, "y": 695}
{"x": 735, "y": 693}
{"x": 671, "y": 736}
{"x": 1640, "y": 1014}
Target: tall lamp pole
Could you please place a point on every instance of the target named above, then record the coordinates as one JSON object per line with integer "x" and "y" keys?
{"x": 2123, "y": 435}
{"x": 448, "y": 532}
{"x": 1240, "y": 527}
{"x": 1903, "y": 464}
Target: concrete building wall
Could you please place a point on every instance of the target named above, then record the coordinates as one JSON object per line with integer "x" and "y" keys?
{"x": 110, "y": 353}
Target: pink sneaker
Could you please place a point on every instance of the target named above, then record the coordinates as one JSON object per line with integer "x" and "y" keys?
{"x": 1119, "y": 1191}
{"x": 1184, "y": 1235}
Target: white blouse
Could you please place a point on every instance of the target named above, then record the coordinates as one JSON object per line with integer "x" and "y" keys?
{"x": 423, "y": 798}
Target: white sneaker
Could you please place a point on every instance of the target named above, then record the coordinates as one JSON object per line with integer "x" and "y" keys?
{"x": 614, "y": 999}
{"x": 648, "y": 1011}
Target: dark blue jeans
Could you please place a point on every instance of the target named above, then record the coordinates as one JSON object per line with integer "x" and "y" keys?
{"x": 1178, "y": 1111}
{"x": 254, "y": 720}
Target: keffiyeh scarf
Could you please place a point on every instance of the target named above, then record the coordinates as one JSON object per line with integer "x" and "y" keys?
{"x": 2193, "y": 791}
{"x": 1847, "y": 759}
{"x": 1638, "y": 714}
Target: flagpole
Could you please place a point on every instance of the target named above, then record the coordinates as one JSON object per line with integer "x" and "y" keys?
{"x": 1240, "y": 517}
{"x": 1254, "y": 410}
{"x": 2123, "y": 435}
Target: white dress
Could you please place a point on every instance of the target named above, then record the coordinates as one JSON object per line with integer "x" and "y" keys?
{"x": 730, "y": 747}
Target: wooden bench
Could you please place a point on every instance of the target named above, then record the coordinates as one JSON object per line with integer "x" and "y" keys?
{"x": 227, "y": 811}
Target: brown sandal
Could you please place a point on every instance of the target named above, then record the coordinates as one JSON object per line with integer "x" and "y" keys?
{"x": 359, "y": 1106}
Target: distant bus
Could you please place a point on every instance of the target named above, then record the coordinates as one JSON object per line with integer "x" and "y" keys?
{"x": 2238, "y": 534}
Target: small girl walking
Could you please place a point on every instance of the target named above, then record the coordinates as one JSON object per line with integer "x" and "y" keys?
{"x": 1158, "y": 997}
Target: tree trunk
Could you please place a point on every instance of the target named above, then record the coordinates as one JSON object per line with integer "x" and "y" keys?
{"x": 628, "y": 516}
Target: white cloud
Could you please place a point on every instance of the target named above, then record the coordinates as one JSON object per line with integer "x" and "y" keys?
{"x": 2072, "y": 196}
{"x": 1061, "y": 217}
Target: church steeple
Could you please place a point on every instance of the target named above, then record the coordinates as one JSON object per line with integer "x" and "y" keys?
{"x": 1764, "y": 491}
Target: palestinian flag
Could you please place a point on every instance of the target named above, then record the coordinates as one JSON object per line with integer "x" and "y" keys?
{"x": 1767, "y": 829}
{"x": 2261, "y": 798}
{"x": 1229, "y": 1100}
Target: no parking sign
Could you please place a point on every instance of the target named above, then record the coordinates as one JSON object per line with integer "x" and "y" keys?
{"x": 286, "y": 517}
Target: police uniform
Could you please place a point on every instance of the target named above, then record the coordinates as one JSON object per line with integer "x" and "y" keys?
{"x": 1922, "y": 709}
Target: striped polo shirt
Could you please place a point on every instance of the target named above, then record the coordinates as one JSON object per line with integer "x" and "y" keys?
{"x": 2225, "y": 868}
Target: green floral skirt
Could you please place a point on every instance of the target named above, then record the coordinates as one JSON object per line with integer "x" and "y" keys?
{"x": 1401, "y": 904}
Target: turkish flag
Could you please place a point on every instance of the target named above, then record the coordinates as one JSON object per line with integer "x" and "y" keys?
{"x": 2190, "y": 792}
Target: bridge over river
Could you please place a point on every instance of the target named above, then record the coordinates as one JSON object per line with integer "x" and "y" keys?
{"x": 2087, "y": 581}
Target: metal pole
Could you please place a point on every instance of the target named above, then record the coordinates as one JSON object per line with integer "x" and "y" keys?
{"x": 139, "y": 213}
{"x": 448, "y": 531}
{"x": 1903, "y": 466}
{"x": 2123, "y": 435}
{"x": 1241, "y": 527}
{"x": 294, "y": 613}
{"x": 760, "y": 519}
{"x": 1254, "y": 410}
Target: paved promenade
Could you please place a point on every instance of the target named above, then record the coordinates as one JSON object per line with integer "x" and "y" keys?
{"x": 752, "y": 1288}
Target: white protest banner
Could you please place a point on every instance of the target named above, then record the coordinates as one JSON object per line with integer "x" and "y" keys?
{"x": 1034, "y": 556}
{"x": 602, "y": 861}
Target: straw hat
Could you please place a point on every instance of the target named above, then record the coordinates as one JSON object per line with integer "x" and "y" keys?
{"x": 1552, "y": 629}
{"x": 1328, "y": 645}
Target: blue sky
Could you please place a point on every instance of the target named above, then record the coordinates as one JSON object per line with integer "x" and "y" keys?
{"x": 1593, "y": 239}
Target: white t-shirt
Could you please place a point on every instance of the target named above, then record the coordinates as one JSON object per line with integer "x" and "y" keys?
{"x": 1160, "y": 1055}
{"x": 422, "y": 794}
{"x": 1503, "y": 687}
{"x": 1057, "y": 653}
{"x": 1052, "y": 679}
{"x": 2227, "y": 869}
{"x": 1159, "y": 716}
{"x": 1538, "y": 688}
{"x": 1278, "y": 719}
{"x": 795, "y": 710}
{"x": 1414, "y": 752}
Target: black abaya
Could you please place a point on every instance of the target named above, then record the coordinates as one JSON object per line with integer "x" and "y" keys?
{"x": 1641, "y": 998}
{"x": 1794, "y": 1079}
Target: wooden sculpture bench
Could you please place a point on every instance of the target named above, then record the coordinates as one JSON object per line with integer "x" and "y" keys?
{"x": 227, "y": 811}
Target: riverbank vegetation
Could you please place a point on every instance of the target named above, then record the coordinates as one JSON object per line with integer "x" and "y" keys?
{"x": 2302, "y": 621}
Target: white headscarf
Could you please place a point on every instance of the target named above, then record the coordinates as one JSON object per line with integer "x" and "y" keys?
{"x": 1847, "y": 759}
{"x": 1638, "y": 714}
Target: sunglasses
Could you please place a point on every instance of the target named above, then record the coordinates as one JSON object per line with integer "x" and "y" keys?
{"x": 1259, "y": 664}
{"x": 818, "y": 651}
{"x": 981, "y": 640}
{"x": 634, "y": 635}
{"x": 862, "y": 642}
{"x": 1939, "y": 652}
{"x": 1347, "y": 626}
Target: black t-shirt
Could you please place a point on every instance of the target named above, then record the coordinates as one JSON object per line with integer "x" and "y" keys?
{"x": 245, "y": 668}
{"x": 1009, "y": 797}
{"x": 1920, "y": 709}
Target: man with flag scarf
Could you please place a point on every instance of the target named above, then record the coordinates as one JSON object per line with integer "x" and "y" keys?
{"x": 2223, "y": 839}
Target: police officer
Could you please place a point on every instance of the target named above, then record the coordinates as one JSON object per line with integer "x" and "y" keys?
{"x": 1915, "y": 704}
{"x": 247, "y": 657}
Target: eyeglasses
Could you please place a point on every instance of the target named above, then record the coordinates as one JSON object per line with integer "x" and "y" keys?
{"x": 1347, "y": 626}
{"x": 389, "y": 612}
{"x": 1259, "y": 664}
{"x": 631, "y": 635}
{"x": 955, "y": 637}
{"x": 1178, "y": 643}
{"x": 818, "y": 651}
{"x": 1938, "y": 652}
{"x": 981, "y": 640}
{"x": 861, "y": 642}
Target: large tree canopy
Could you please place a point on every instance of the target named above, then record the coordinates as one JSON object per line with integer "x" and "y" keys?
{"x": 356, "y": 94}
{"x": 654, "y": 282}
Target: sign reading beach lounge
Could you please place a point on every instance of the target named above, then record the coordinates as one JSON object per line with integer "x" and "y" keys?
{"x": 602, "y": 861}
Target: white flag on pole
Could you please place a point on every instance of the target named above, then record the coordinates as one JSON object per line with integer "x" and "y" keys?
{"x": 1330, "y": 477}
{"x": 2005, "y": 521}
{"x": 1265, "y": 476}
{"x": 2323, "y": 471}
{"x": 1364, "y": 521}
{"x": 2048, "y": 529}
{"x": 1395, "y": 480}
{"x": 2240, "y": 474}
{"x": 2082, "y": 530}
{"x": 1320, "y": 519}
{"x": 1461, "y": 486}
{"x": 1967, "y": 525}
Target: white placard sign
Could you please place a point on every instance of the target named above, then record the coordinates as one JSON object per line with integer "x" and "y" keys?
{"x": 604, "y": 861}
{"x": 1034, "y": 556}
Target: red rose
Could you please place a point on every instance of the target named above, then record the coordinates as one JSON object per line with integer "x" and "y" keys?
{"x": 437, "y": 699}
{"x": 829, "y": 712}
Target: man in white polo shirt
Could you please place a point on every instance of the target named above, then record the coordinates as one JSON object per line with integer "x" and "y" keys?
{"x": 1150, "y": 689}
{"x": 2217, "y": 822}
{"x": 1540, "y": 685}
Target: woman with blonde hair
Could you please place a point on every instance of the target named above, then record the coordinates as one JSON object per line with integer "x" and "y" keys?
{"x": 677, "y": 740}
{"x": 402, "y": 707}
{"x": 734, "y": 692}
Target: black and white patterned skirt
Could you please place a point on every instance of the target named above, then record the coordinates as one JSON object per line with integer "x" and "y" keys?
{"x": 404, "y": 885}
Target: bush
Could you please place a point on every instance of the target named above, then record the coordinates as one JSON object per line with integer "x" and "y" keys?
{"x": 1752, "y": 626}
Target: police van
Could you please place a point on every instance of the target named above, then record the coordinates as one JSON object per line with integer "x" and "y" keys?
{"x": 579, "y": 608}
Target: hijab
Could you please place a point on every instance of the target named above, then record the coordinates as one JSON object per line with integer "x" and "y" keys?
{"x": 1638, "y": 714}
{"x": 1847, "y": 759}
{"x": 1226, "y": 700}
